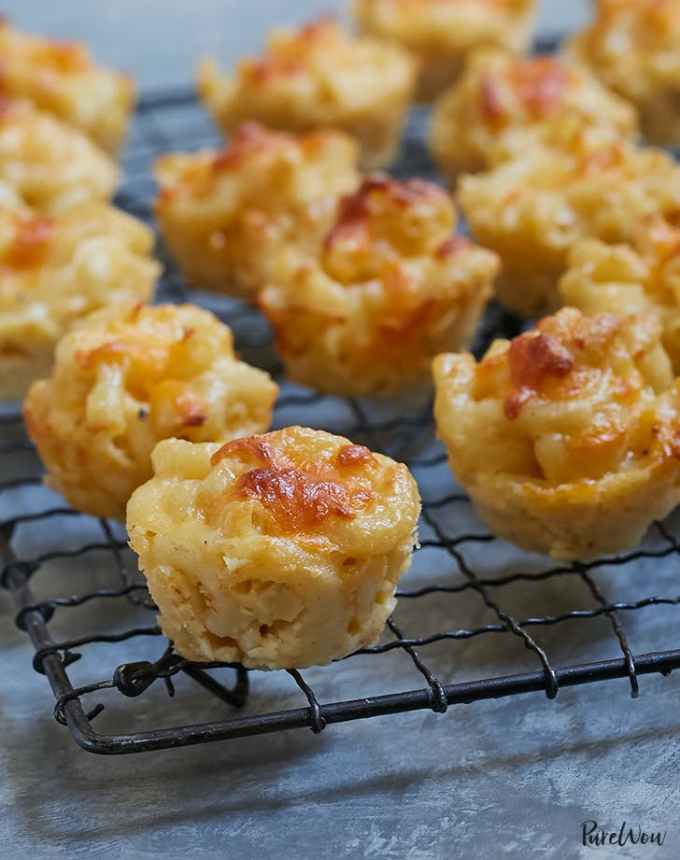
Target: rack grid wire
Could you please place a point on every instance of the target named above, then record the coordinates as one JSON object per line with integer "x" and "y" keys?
{"x": 172, "y": 120}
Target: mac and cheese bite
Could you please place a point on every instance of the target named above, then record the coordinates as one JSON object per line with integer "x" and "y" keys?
{"x": 638, "y": 278}
{"x": 275, "y": 551}
{"x": 56, "y": 270}
{"x": 318, "y": 77}
{"x": 567, "y": 438}
{"x": 225, "y": 214}
{"x": 532, "y": 210}
{"x": 49, "y": 165}
{"x": 634, "y": 48}
{"x": 504, "y": 105}
{"x": 61, "y": 78}
{"x": 389, "y": 288}
{"x": 126, "y": 378}
{"x": 441, "y": 35}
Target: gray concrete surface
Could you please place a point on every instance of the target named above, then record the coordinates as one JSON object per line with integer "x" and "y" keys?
{"x": 510, "y": 778}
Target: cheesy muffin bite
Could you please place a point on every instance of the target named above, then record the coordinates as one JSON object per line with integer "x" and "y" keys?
{"x": 442, "y": 33}
{"x": 50, "y": 165}
{"x": 224, "y": 214}
{"x": 634, "y": 47}
{"x": 532, "y": 210}
{"x": 318, "y": 77}
{"x": 128, "y": 377}
{"x": 62, "y": 79}
{"x": 390, "y": 287}
{"x": 640, "y": 278}
{"x": 567, "y": 438}
{"x": 56, "y": 270}
{"x": 274, "y": 551}
{"x": 504, "y": 105}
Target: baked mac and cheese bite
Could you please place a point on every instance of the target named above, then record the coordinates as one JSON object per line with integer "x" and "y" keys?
{"x": 567, "y": 438}
{"x": 640, "y": 278}
{"x": 224, "y": 214}
{"x": 275, "y": 551}
{"x": 390, "y": 287}
{"x": 532, "y": 210}
{"x": 634, "y": 47}
{"x": 48, "y": 164}
{"x": 318, "y": 77}
{"x": 63, "y": 79}
{"x": 441, "y": 35}
{"x": 128, "y": 377}
{"x": 56, "y": 270}
{"x": 504, "y": 105}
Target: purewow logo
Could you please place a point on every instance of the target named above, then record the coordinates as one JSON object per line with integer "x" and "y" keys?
{"x": 594, "y": 836}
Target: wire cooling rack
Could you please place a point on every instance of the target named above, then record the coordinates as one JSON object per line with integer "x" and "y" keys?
{"x": 78, "y": 594}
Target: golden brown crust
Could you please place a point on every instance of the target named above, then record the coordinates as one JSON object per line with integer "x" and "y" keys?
{"x": 442, "y": 35}
{"x": 62, "y": 79}
{"x": 56, "y": 270}
{"x": 503, "y": 105}
{"x": 128, "y": 377}
{"x": 318, "y": 77}
{"x": 226, "y": 214}
{"x": 567, "y": 438}
{"x": 634, "y": 47}
{"x": 388, "y": 288}
{"x": 532, "y": 210}
{"x": 288, "y": 551}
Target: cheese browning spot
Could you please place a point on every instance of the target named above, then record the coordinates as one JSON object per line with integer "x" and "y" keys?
{"x": 533, "y": 358}
{"x": 31, "y": 243}
{"x": 300, "y": 497}
{"x": 250, "y": 138}
{"x": 353, "y": 455}
{"x": 376, "y": 196}
{"x": 298, "y": 500}
{"x": 451, "y": 247}
{"x": 540, "y": 84}
{"x": 251, "y": 448}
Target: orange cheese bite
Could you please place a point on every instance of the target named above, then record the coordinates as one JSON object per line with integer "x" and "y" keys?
{"x": 54, "y": 271}
{"x": 633, "y": 46}
{"x": 504, "y": 105}
{"x": 568, "y": 437}
{"x": 225, "y": 215}
{"x": 441, "y": 34}
{"x": 287, "y": 551}
{"x": 62, "y": 79}
{"x": 318, "y": 77}
{"x": 127, "y": 378}
{"x": 390, "y": 287}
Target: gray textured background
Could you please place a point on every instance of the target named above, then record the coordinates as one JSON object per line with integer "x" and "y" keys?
{"x": 510, "y": 778}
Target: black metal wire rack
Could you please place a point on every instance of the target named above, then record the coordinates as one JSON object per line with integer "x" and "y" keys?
{"x": 80, "y": 595}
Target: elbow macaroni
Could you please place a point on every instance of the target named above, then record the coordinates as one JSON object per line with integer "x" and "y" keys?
{"x": 634, "y": 48}
{"x": 532, "y": 210}
{"x": 62, "y": 79}
{"x": 55, "y": 271}
{"x": 287, "y": 550}
{"x": 441, "y": 35}
{"x": 389, "y": 288}
{"x": 503, "y": 105}
{"x": 567, "y": 438}
{"x": 318, "y": 77}
{"x": 224, "y": 215}
{"x": 125, "y": 379}
{"x": 48, "y": 164}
